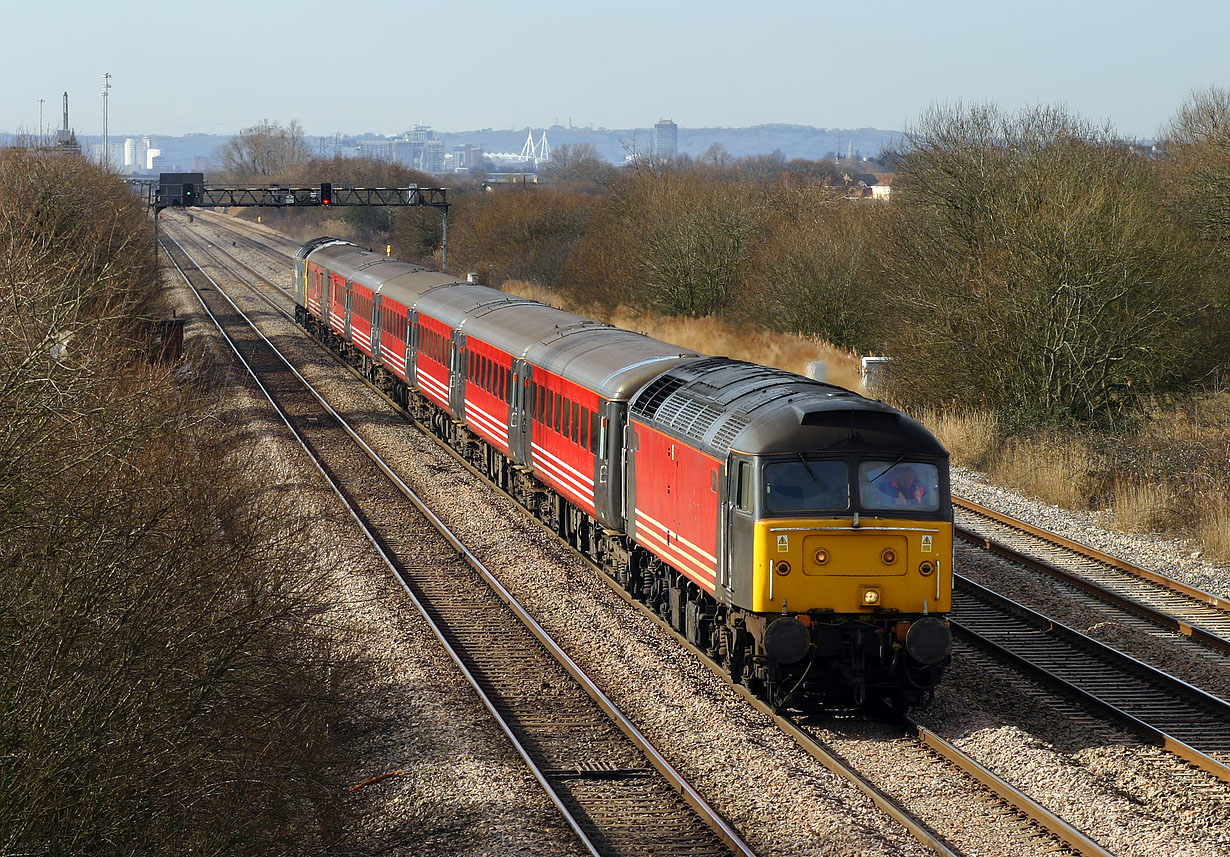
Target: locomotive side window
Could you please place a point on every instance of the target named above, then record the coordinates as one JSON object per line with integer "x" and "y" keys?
{"x": 743, "y": 489}
{"x": 899, "y": 485}
{"x": 802, "y": 485}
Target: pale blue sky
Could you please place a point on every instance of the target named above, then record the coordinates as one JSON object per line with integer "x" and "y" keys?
{"x": 381, "y": 66}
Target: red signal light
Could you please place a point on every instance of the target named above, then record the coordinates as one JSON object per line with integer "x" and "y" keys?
{"x": 326, "y": 193}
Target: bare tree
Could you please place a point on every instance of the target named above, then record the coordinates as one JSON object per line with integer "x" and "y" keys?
{"x": 266, "y": 150}
{"x": 578, "y": 164}
{"x": 1036, "y": 271}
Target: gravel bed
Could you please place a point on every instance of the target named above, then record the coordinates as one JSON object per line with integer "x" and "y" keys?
{"x": 463, "y": 789}
{"x": 1133, "y": 799}
{"x": 1167, "y": 556}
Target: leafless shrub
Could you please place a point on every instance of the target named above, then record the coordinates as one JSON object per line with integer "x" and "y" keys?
{"x": 166, "y": 688}
{"x": 1040, "y": 276}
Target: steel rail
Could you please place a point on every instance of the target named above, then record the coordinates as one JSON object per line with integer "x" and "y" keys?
{"x": 1192, "y": 592}
{"x": 720, "y": 826}
{"x": 1008, "y": 793}
{"x": 1175, "y": 690}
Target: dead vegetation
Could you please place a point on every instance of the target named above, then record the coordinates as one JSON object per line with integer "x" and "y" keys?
{"x": 165, "y": 688}
{"x": 711, "y": 335}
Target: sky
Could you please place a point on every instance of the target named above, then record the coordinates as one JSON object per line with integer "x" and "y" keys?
{"x": 381, "y": 66}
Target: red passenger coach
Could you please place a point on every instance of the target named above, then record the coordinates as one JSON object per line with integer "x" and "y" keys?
{"x": 488, "y": 394}
{"x": 432, "y": 360}
{"x": 393, "y": 333}
{"x": 565, "y": 420}
{"x": 315, "y": 290}
{"x": 361, "y": 304}
{"x": 337, "y": 303}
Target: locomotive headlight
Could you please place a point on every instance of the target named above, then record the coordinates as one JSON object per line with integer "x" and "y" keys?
{"x": 871, "y": 596}
{"x": 783, "y": 568}
{"x": 925, "y": 568}
{"x": 822, "y": 556}
{"x": 889, "y": 556}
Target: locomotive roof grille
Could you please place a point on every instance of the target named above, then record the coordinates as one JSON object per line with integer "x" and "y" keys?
{"x": 646, "y": 405}
{"x": 734, "y": 424}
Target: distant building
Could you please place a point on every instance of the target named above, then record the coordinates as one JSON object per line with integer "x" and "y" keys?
{"x": 433, "y": 157}
{"x": 467, "y": 157}
{"x": 665, "y": 140}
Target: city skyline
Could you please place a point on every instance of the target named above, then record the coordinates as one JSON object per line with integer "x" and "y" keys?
{"x": 706, "y": 65}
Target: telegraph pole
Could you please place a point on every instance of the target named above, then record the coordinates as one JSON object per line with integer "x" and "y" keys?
{"x": 106, "y": 158}
{"x": 40, "y": 121}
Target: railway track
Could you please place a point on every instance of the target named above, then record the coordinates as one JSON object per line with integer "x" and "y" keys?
{"x": 1034, "y": 820}
{"x": 615, "y": 790}
{"x": 1185, "y": 720}
{"x": 1201, "y": 616}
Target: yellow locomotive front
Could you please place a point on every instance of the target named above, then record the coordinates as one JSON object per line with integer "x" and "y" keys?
{"x": 851, "y": 576}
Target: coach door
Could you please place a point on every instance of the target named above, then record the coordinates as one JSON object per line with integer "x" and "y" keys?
{"x": 349, "y": 297}
{"x": 456, "y": 375}
{"x": 520, "y": 423}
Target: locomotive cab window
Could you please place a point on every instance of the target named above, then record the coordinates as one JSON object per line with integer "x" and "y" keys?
{"x": 884, "y": 485}
{"x": 805, "y": 485}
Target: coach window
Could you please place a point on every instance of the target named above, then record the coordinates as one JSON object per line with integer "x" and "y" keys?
{"x": 582, "y": 437}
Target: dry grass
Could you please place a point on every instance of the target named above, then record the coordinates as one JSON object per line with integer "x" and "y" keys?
{"x": 1213, "y": 526}
{"x": 712, "y": 335}
{"x": 1054, "y": 470}
{"x": 1146, "y": 506}
{"x": 971, "y": 437}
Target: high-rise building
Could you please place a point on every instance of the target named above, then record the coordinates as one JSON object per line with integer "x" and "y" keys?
{"x": 433, "y": 157}
{"x": 665, "y": 140}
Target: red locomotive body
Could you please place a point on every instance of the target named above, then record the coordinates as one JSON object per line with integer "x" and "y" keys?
{"x": 676, "y": 504}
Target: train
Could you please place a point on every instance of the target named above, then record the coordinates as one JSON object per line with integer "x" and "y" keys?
{"x": 797, "y": 533}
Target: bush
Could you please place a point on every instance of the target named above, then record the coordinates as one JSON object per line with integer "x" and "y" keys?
{"x": 1039, "y": 274}
{"x": 814, "y": 273}
{"x": 163, "y": 690}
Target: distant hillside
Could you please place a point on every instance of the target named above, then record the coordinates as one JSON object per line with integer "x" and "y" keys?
{"x": 613, "y": 144}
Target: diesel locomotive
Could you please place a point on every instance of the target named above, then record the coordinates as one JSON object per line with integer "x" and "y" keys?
{"x": 796, "y": 532}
